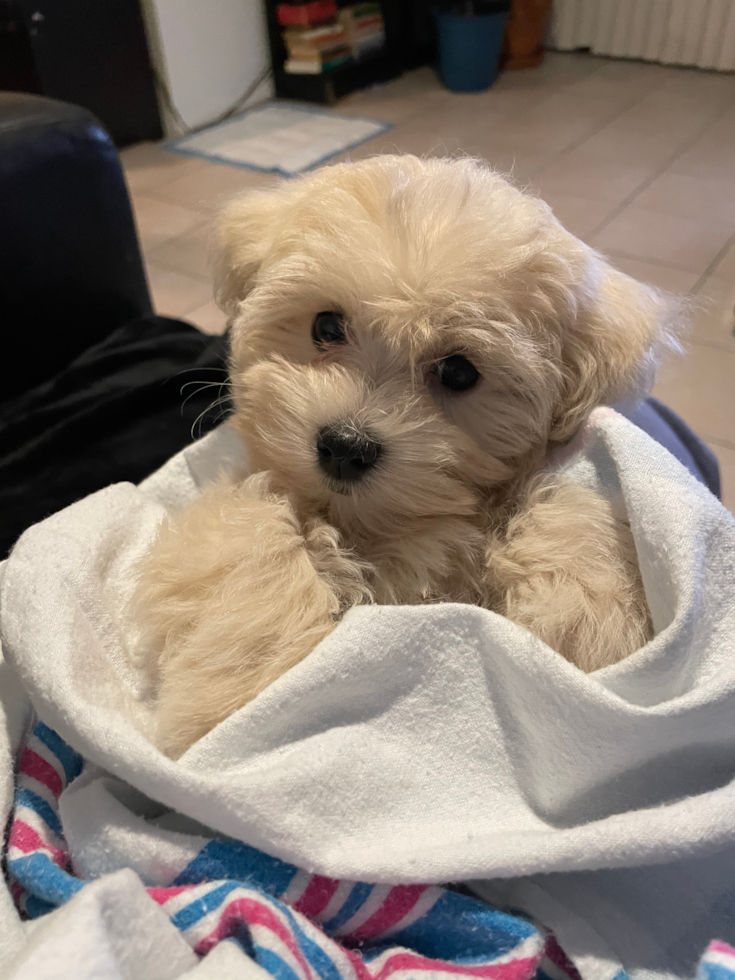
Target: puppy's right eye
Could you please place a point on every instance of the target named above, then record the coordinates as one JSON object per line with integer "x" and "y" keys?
{"x": 456, "y": 373}
{"x": 328, "y": 328}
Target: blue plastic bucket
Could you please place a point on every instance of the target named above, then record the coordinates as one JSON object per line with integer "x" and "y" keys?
{"x": 470, "y": 49}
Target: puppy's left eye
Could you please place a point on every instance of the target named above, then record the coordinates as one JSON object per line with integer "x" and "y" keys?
{"x": 457, "y": 373}
{"x": 328, "y": 328}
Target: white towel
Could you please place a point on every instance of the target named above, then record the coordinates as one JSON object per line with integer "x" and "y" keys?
{"x": 437, "y": 743}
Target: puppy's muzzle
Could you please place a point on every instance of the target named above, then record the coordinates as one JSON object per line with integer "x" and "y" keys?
{"x": 345, "y": 453}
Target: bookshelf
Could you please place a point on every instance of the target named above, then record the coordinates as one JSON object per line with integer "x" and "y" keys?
{"x": 409, "y": 42}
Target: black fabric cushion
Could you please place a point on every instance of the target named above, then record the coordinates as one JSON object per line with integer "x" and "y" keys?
{"x": 117, "y": 413}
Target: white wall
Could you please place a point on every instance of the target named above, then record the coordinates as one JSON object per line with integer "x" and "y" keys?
{"x": 209, "y": 52}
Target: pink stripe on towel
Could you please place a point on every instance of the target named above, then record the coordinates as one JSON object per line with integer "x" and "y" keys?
{"x": 398, "y": 903}
{"x": 31, "y": 764}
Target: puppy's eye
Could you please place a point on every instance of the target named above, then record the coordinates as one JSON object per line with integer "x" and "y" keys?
{"x": 328, "y": 328}
{"x": 456, "y": 373}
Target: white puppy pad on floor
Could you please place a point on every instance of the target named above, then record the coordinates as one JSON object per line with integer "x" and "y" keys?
{"x": 280, "y": 138}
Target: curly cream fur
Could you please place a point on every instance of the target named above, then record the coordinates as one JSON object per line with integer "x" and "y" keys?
{"x": 424, "y": 259}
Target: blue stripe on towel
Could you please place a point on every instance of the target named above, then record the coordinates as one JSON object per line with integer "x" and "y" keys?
{"x": 461, "y": 929}
{"x": 27, "y": 798}
{"x": 318, "y": 959}
{"x": 713, "y": 971}
{"x": 70, "y": 760}
{"x": 273, "y": 963}
{"x": 36, "y": 907}
{"x": 196, "y": 910}
{"x": 231, "y": 859}
{"x": 355, "y": 900}
{"x": 38, "y": 874}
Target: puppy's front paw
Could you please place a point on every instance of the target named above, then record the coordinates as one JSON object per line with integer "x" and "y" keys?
{"x": 230, "y": 600}
{"x": 567, "y": 570}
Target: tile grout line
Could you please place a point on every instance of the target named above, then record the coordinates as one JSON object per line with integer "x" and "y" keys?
{"x": 186, "y": 207}
{"x": 721, "y": 443}
{"x": 713, "y": 265}
{"x": 619, "y": 254}
{"x": 665, "y": 166}
{"x": 168, "y": 267}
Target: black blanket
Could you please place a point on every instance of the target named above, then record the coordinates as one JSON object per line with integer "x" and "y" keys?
{"x": 118, "y": 412}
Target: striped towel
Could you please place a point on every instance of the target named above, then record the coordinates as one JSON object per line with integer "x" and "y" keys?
{"x": 718, "y": 962}
{"x": 295, "y": 925}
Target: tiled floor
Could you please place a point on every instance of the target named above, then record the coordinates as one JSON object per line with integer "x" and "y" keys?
{"x": 636, "y": 159}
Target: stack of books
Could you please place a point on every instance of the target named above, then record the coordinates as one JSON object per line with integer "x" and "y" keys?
{"x": 314, "y": 38}
{"x": 364, "y": 27}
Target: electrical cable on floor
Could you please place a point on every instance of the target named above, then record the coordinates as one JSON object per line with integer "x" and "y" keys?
{"x": 233, "y": 110}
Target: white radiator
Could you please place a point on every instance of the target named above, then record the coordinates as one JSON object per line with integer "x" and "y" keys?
{"x": 674, "y": 32}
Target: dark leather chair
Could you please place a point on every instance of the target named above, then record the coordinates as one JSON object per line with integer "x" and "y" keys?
{"x": 71, "y": 271}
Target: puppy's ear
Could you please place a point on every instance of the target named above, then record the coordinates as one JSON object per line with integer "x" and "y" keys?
{"x": 245, "y": 230}
{"x": 611, "y": 349}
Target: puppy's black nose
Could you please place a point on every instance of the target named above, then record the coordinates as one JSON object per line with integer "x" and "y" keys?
{"x": 346, "y": 453}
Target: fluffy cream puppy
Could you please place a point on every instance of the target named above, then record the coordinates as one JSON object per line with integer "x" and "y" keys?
{"x": 409, "y": 339}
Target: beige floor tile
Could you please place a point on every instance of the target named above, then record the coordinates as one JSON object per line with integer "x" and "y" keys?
{"x": 209, "y": 318}
{"x": 585, "y": 175}
{"x": 159, "y": 221}
{"x": 428, "y": 135}
{"x": 388, "y": 109}
{"x": 626, "y": 80}
{"x": 580, "y": 215}
{"x": 462, "y": 115}
{"x": 683, "y": 96}
{"x": 618, "y": 144}
{"x": 147, "y": 165}
{"x": 424, "y": 137}
{"x": 411, "y": 137}
{"x": 557, "y": 70}
{"x": 712, "y": 87}
{"x": 419, "y": 81}
{"x": 209, "y": 187}
{"x": 190, "y": 254}
{"x": 385, "y": 143}
{"x": 661, "y": 112}
{"x": 681, "y": 243}
{"x": 726, "y": 458}
{"x": 565, "y": 106}
{"x": 660, "y": 276}
{"x": 713, "y": 318}
{"x": 691, "y": 197}
{"x": 424, "y": 140}
{"x": 699, "y": 386}
{"x": 549, "y": 128}
{"x": 175, "y": 294}
{"x": 140, "y": 154}
{"x": 520, "y": 166}
{"x": 513, "y": 100}
{"x": 399, "y": 101}
{"x": 711, "y": 157}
